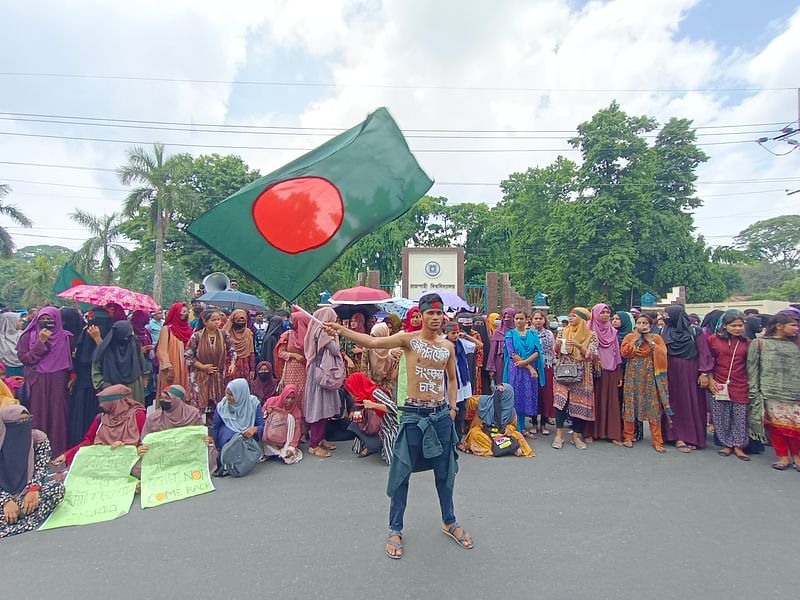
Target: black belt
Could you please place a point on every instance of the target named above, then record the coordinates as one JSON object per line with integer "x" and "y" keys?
{"x": 422, "y": 409}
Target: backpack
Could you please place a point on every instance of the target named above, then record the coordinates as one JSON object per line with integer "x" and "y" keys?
{"x": 276, "y": 427}
{"x": 240, "y": 455}
{"x": 330, "y": 371}
{"x": 502, "y": 444}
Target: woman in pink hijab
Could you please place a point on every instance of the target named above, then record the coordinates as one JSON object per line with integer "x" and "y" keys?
{"x": 45, "y": 351}
{"x": 608, "y": 386}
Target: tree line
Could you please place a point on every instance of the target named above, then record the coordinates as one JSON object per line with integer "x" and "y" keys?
{"x": 611, "y": 227}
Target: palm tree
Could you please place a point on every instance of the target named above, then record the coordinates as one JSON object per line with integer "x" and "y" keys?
{"x": 158, "y": 192}
{"x": 13, "y": 213}
{"x": 36, "y": 277}
{"x": 105, "y": 239}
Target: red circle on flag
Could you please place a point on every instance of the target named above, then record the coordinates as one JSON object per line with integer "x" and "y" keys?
{"x": 77, "y": 281}
{"x": 296, "y": 215}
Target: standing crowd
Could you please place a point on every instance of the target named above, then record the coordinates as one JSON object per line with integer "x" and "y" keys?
{"x": 265, "y": 386}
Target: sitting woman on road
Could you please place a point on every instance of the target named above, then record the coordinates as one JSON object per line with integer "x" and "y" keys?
{"x": 283, "y": 416}
{"x": 369, "y": 396}
{"x": 173, "y": 411}
{"x": 479, "y": 441}
{"x": 237, "y": 412}
{"x": 645, "y": 394}
{"x": 263, "y": 385}
{"x": 775, "y": 389}
{"x": 26, "y": 499}
{"x": 120, "y": 422}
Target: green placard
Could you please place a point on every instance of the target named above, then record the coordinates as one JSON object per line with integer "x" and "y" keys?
{"x": 175, "y": 466}
{"x": 99, "y": 487}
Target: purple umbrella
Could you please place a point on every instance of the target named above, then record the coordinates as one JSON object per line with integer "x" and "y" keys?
{"x": 451, "y": 300}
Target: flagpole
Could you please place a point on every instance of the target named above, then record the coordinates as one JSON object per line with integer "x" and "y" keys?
{"x": 308, "y": 314}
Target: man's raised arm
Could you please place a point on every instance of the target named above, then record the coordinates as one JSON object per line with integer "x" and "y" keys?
{"x": 398, "y": 340}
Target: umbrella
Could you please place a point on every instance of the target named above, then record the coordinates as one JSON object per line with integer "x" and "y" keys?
{"x": 233, "y": 299}
{"x": 100, "y": 295}
{"x": 359, "y": 295}
{"x": 451, "y": 299}
{"x": 398, "y": 306}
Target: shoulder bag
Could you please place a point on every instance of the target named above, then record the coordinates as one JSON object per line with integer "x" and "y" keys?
{"x": 721, "y": 392}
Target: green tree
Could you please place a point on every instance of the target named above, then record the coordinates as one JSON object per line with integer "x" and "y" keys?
{"x": 789, "y": 290}
{"x": 36, "y": 278}
{"x": 157, "y": 194}
{"x": 105, "y": 239}
{"x": 16, "y": 215}
{"x": 775, "y": 240}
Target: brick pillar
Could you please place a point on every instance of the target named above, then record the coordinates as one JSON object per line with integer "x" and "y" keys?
{"x": 362, "y": 279}
{"x": 374, "y": 279}
{"x": 492, "y": 284}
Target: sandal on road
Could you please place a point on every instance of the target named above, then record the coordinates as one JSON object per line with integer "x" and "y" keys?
{"x": 682, "y": 447}
{"x": 319, "y": 452}
{"x": 462, "y": 540}
{"x": 397, "y": 544}
{"x": 327, "y": 445}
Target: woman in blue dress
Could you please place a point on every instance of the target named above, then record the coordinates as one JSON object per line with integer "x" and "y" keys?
{"x": 524, "y": 371}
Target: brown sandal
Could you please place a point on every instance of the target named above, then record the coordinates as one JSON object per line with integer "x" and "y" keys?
{"x": 319, "y": 452}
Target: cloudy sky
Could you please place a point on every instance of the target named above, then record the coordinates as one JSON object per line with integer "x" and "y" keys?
{"x": 482, "y": 89}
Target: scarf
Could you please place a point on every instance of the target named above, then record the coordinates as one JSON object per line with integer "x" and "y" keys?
{"x": 316, "y": 339}
{"x": 180, "y": 415}
{"x": 479, "y": 325}
{"x": 299, "y": 330}
{"x": 548, "y": 344}
{"x": 414, "y": 310}
{"x": 709, "y": 322}
{"x": 119, "y": 423}
{"x": 72, "y": 321}
{"x": 357, "y": 323}
{"x": 501, "y": 331}
{"x": 395, "y": 322}
{"x": 241, "y": 414}
{"x": 578, "y": 333}
{"x": 634, "y": 345}
{"x": 279, "y": 403}
{"x": 626, "y": 325}
{"x": 263, "y": 389}
{"x": 490, "y": 323}
{"x": 116, "y": 311}
{"x": 381, "y": 362}
{"x": 242, "y": 338}
{"x": 462, "y": 366}
{"x": 607, "y": 341}
{"x": 59, "y": 350}
{"x": 486, "y": 408}
{"x": 17, "y": 439}
{"x": 524, "y": 347}
{"x": 86, "y": 347}
{"x": 678, "y": 334}
{"x": 9, "y": 336}
{"x": 360, "y": 387}
{"x": 180, "y": 329}
{"x": 139, "y": 321}
{"x": 752, "y": 327}
{"x": 270, "y": 341}
{"x": 120, "y": 354}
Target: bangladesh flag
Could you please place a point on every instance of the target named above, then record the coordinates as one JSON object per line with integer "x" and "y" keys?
{"x": 286, "y": 228}
{"x": 68, "y": 278}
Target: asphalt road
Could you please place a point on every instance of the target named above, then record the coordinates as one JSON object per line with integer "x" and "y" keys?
{"x": 603, "y": 523}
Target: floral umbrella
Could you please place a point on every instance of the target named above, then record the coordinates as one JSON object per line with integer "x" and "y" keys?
{"x": 359, "y": 295}
{"x": 100, "y": 295}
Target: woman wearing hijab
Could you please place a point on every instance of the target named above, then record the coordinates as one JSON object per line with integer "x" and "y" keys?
{"x": 368, "y": 396}
{"x": 478, "y": 440}
{"x": 290, "y": 366}
{"x": 243, "y": 344}
{"x": 26, "y": 498}
{"x": 480, "y": 331}
{"x": 395, "y": 323}
{"x": 728, "y": 386}
{"x": 282, "y": 426}
{"x": 120, "y": 423}
{"x": 118, "y": 360}
{"x": 263, "y": 385}
{"x": 320, "y": 404}
{"x": 173, "y": 411}
{"x": 172, "y": 340}
{"x": 625, "y": 323}
{"x": 413, "y": 320}
{"x": 547, "y": 343}
{"x": 710, "y": 320}
{"x": 382, "y": 365}
{"x": 645, "y": 395}
{"x": 688, "y": 362}
{"x": 492, "y": 323}
{"x": 775, "y": 389}
{"x": 83, "y": 406}
{"x": 116, "y": 311}
{"x": 210, "y": 357}
{"x": 495, "y": 362}
{"x": 523, "y": 370}
{"x": 607, "y": 409}
{"x": 46, "y": 351}
{"x": 9, "y": 336}
{"x": 575, "y": 344}
{"x": 271, "y": 337}
{"x": 140, "y": 319}
{"x": 237, "y": 412}
{"x": 352, "y": 353}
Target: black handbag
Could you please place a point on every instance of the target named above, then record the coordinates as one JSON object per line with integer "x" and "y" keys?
{"x": 568, "y": 372}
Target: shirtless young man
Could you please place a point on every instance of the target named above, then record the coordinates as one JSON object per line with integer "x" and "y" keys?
{"x": 428, "y": 356}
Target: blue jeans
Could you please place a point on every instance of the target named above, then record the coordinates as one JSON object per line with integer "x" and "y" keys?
{"x": 440, "y": 463}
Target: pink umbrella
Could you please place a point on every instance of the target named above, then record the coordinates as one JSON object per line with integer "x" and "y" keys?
{"x": 359, "y": 295}
{"x": 100, "y": 295}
